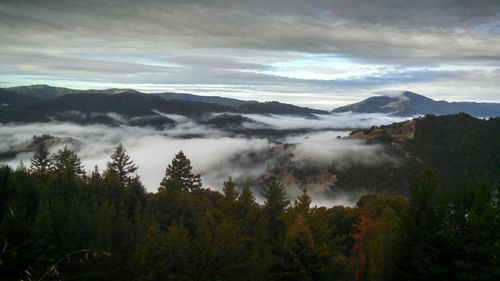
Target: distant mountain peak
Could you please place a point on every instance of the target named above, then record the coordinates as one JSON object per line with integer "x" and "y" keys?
{"x": 406, "y": 103}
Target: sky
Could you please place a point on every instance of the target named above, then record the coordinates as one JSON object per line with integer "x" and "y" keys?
{"x": 316, "y": 53}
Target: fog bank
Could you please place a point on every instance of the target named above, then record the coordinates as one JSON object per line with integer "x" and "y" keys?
{"x": 215, "y": 154}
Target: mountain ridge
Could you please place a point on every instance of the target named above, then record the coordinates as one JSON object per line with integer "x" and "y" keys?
{"x": 46, "y": 91}
{"x": 133, "y": 107}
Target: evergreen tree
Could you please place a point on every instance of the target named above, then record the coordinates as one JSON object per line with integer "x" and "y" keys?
{"x": 41, "y": 162}
{"x": 66, "y": 163}
{"x": 230, "y": 196}
{"x": 275, "y": 197}
{"x": 229, "y": 190}
{"x": 134, "y": 198}
{"x": 274, "y": 206}
{"x": 300, "y": 260}
{"x": 246, "y": 200}
{"x": 303, "y": 203}
{"x": 179, "y": 175}
{"x": 122, "y": 165}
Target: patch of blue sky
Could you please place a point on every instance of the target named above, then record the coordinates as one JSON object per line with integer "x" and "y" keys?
{"x": 321, "y": 67}
{"x": 311, "y": 59}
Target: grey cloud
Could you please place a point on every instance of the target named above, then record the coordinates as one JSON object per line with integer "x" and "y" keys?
{"x": 215, "y": 62}
{"x": 345, "y": 27}
{"x": 237, "y": 43}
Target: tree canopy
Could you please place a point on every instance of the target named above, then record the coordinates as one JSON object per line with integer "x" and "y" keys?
{"x": 71, "y": 226}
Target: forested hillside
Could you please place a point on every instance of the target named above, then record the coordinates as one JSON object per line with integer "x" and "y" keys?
{"x": 41, "y": 103}
{"x": 57, "y": 222}
{"x": 457, "y": 147}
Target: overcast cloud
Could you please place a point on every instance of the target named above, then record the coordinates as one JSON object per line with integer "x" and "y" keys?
{"x": 317, "y": 53}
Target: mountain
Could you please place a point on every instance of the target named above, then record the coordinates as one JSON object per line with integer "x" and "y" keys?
{"x": 206, "y": 99}
{"x": 45, "y": 91}
{"x": 411, "y": 104}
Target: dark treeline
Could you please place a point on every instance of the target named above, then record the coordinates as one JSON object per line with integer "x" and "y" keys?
{"x": 57, "y": 222}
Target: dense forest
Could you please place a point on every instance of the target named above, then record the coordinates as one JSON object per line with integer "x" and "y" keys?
{"x": 58, "y": 222}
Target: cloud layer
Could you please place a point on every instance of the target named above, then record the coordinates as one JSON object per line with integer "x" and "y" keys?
{"x": 215, "y": 154}
{"x": 318, "y": 53}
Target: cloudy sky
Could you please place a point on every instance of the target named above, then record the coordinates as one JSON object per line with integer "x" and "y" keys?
{"x": 318, "y": 53}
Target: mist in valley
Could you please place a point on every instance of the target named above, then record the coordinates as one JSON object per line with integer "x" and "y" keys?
{"x": 215, "y": 154}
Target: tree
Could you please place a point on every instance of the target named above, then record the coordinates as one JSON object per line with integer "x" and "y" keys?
{"x": 41, "y": 162}
{"x": 229, "y": 190}
{"x": 246, "y": 201}
{"x": 122, "y": 165}
{"x": 179, "y": 175}
{"x": 361, "y": 259}
{"x": 66, "y": 163}
{"x": 274, "y": 206}
{"x": 300, "y": 260}
{"x": 377, "y": 237}
{"x": 230, "y": 196}
{"x": 303, "y": 203}
{"x": 134, "y": 198}
{"x": 275, "y": 197}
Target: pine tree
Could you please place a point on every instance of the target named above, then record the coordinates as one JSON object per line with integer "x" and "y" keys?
{"x": 66, "y": 162}
{"x": 303, "y": 203}
{"x": 246, "y": 200}
{"x": 40, "y": 162}
{"x": 274, "y": 207}
{"x": 275, "y": 197}
{"x": 122, "y": 165}
{"x": 230, "y": 196}
{"x": 179, "y": 175}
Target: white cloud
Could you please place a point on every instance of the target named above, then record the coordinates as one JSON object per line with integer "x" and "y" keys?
{"x": 340, "y": 121}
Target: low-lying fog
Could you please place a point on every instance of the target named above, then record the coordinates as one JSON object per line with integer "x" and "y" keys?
{"x": 215, "y": 154}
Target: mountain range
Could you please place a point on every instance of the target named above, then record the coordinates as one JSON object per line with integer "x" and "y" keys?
{"x": 43, "y": 103}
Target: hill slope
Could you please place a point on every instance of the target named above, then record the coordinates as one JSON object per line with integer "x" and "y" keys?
{"x": 411, "y": 104}
{"x": 457, "y": 147}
